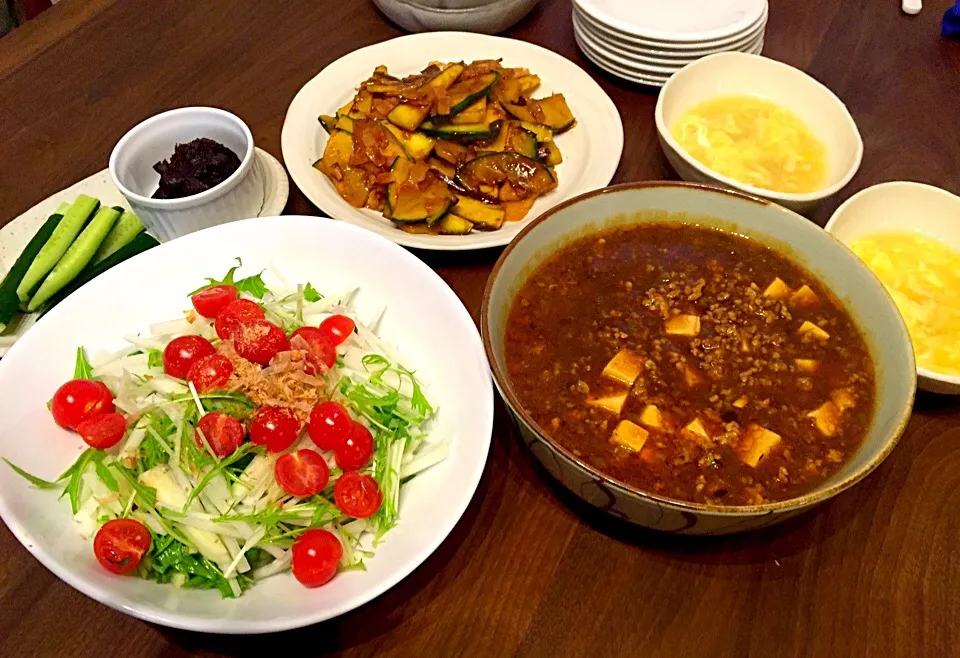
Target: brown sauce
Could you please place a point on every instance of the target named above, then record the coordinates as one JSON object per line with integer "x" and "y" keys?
{"x": 726, "y": 390}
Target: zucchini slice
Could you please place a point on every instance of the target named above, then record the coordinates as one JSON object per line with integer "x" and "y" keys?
{"x": 346, "y": 109}
{"x": 466, "y": 93}
{"x": 408, "y": 116}
{"x": 526, "y": 113}
{"x": 417, "y": 145}
{"x": 363, "y": 104}
{"x": 522, "y": 141}
{"x": 328, "y": 122}
{"x": 556, "y": 113}
{"x": 543, "y": 133}
{"x": 427, "y": 201}
{"x": 443, "y": 167}
{"x": 550, "y": 154}
{"x": 345, "y": 123}
{"x": 463, "y": 133}
{"x": 446, "y": 77}
{"x": 454, "y": 225}
{"x": 526, "y": 176}
{"x": 338, "y": 150}
{"x": 484, "y": 216}
{"x": 514, "y": 138}
{"x": 473, "y": 114}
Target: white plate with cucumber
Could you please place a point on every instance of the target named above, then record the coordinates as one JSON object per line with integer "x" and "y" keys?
{"x": 16, "y": 236}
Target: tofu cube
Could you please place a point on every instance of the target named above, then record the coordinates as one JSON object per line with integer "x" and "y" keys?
{"x": 804, "y": 297}
{"x": 809, "y": 366}
{"x": 697, "y": 428}
{"x": 843, "y": 399}
{"x": 826, "y": 418}
{"x": 651, "y": 417}
{"x": 756, "y": 442}
{"x": 683, "y": 325}
{"x": 813, "y": 331}
{"x": 629, "y": 436}
{"x": 741, "y": 402}
{"x": 612, "y": 403}
{"x": 691, "y": 374}
{"x": 624, "y": 367}
{"x": 777, "y": 289}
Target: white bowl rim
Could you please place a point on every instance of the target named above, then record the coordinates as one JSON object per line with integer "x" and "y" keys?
{"x": 837, "y": 217}
{"x": 195, "y": 199}
{"x": 786, "y": 197}
{"x": 801, "y": 502}
{"x": 719, "y": 34}
{"x": 450, "y": 11}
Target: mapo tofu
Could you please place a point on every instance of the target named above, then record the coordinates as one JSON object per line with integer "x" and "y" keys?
{"x": 691, "y": 363}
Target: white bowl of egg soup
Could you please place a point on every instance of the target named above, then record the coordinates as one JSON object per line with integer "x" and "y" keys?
{"x": 909, "y": 235}
{"x": 756, "y": 125}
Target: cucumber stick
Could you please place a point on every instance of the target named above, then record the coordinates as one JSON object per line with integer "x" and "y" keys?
{"x": 139, "y": 244}
{"x": 8, "y": 289}
{"x": 62, "y": 239}
{"x": 125, "y": 230}
{"x": 78, "y": 255}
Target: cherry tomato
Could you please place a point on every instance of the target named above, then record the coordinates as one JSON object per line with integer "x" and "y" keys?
{"x": 120, "y": 544}
{"x": 321, "y": 354}
{"x": 102, "y": 431}
{"x": 316, "y": 554}
{"x": 210, "y": 302}
{"x": 259, "y": 341}
{"x": 236, "y": 313}
{"x": 224, "y": 433}
{"x": 337, "y": 328}
{"x": 354, "y": 453}
{"x": 183, "y": 352}
{"x": 329, "y": 425}
{"x": 78, "y": 400}
{"x": 274, "y": 427}
{"x": 357, "y": 495}
{"x": 302, "y": 473}
{"x": 211, "y": 372}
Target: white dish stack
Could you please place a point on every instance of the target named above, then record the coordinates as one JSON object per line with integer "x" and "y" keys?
{"x": 647, "y": 41}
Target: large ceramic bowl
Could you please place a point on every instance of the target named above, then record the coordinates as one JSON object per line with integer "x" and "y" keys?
{"x": 903, "y": 206}
{"x": 837, "y": 267}
{"x": 486, "y": 16}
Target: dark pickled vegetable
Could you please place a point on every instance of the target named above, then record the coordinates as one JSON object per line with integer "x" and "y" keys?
{"x": 195, "y": 167}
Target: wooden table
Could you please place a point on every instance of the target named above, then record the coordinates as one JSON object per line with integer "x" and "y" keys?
{"x": 528, "y": 570}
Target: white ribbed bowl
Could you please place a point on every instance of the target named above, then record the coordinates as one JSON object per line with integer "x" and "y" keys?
{"x": 131, "y": 170}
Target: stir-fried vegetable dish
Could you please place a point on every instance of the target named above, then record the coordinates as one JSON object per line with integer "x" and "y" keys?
{"x": 454, "y": 148}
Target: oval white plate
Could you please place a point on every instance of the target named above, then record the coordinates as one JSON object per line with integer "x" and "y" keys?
{"x": 591, "y": 150}
{"x": 432, "y": 330}
{"x": 15, "y": 235}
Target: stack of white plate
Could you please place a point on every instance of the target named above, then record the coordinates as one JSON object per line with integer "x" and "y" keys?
{"x": 647, "y": 41}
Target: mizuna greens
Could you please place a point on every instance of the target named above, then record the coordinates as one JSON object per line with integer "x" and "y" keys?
{"x": 225, "y": 521}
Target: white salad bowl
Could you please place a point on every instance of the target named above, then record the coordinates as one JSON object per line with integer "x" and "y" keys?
{"x": 745, "y": 74}
{"x": 903, "y": 206}
{"x": 131, "y": 170}
{"x": 432, "y": 332}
